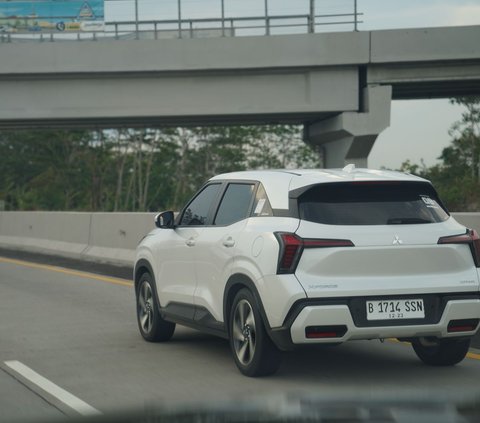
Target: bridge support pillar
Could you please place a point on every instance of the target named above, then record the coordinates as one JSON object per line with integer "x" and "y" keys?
{"x": 349, "y": 136}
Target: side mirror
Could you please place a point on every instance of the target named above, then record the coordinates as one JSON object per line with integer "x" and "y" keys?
{"x": 165, "y": 220}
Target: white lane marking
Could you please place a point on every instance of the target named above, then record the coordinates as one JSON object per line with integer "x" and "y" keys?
{"x": 65, "y": 397}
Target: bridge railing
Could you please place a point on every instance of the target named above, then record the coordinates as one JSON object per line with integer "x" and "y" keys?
{"x": 196, "y": 28}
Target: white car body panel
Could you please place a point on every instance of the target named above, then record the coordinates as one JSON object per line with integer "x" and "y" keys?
{"x": 279, "y": 293}
{"x": 259, "y": 262}
{"x": 214, "y": 264}
{"x": 174, "y": 265}
{"x": 392, "y": 260}
{"x": 308, "y": 177}
{"x": 259, "y": 246}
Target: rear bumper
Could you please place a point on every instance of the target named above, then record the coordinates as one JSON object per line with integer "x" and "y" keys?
{"x": 331, "y": 313}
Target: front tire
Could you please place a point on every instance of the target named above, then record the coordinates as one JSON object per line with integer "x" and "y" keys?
{"x": 253, "y": 350}
{"x": 152, "y": 326}
{"x": 441, "y": 352}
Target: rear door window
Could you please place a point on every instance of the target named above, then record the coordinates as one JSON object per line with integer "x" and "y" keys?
{"x": 236, "y": 204}
{"x": 372, "y": 203}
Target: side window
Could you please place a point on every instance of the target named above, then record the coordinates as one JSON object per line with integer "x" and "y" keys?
{"x": 196, "y": 212}
{"x": 235, "y": 204}
{"x": 262, "y": 206}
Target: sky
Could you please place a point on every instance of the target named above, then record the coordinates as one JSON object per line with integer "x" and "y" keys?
{"x": 419, "y": 129}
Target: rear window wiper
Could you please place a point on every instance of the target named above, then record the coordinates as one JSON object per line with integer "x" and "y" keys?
{"x": 407, "y": 221}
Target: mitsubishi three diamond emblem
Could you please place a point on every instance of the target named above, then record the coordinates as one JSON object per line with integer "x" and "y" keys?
{"x": 397, "y": 240}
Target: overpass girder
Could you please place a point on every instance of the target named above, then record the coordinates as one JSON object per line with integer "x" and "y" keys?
{"x": 196, "y": 98}
{"x": 349, "y": 136}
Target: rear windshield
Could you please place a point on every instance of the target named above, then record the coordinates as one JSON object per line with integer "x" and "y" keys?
{"x": 372, "y": 203}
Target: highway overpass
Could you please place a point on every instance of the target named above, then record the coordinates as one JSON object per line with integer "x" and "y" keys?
{"x": 339, "y": 85}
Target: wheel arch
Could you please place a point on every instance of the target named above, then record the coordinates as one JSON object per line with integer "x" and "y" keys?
{"x": 234, "y": 284}
{"x": 142, "y": 266}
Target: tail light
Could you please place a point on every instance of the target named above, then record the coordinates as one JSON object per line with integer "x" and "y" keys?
{"x": 291, "y": 248}
{"x": 471, "y": 238}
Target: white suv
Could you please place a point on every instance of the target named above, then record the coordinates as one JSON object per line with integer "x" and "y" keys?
{"x": 276, "y": 259}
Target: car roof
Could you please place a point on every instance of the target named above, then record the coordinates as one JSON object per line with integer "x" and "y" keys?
{"x": 278, "y": 183}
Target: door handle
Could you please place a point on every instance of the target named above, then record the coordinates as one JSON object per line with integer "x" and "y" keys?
{"x": 190, "y": 242}
{"x": 229, "y": 242}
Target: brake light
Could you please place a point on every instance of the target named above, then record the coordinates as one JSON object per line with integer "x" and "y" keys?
{"x": 291, "y": 248}
{"x": 471, "y": 238}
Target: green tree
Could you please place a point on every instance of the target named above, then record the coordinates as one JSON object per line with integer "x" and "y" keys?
{"x": 465, "y": 149}
{"x": 136, "y": 169}
{"x": 457, "y": 177}
{"x": 43, "y": 169}
{"x": 281, "y": 146}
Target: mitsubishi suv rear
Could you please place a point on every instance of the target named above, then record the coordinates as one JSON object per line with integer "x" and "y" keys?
{"x": 272, "y": 260}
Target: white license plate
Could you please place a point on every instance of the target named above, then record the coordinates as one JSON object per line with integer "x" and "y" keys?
{"x": 395, "y": 309}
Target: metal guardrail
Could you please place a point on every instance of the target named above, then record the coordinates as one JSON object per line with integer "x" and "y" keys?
{"x": 196, "y": 28}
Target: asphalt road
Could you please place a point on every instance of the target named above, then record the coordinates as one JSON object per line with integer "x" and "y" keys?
{"x": 78, "y": 331}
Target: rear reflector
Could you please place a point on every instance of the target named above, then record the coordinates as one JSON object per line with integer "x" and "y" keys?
{"x": 466, "y": 325}
{"x": 316, "y": 332}
{"x": 291, "y": 248}
{"x": 471, "y": 238}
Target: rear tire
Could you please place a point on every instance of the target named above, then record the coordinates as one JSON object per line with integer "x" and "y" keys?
{"x": 442, "y": 352}
{"x": 152, "y": 326}
{"x": 253, "y": 350}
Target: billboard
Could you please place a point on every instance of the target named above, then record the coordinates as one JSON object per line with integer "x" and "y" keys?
{"x": 34, "y": 16}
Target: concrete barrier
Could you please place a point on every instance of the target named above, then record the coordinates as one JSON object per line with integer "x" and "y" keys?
{"x": 470, "y": 220}
{"x": 100, "y": 237}
{"x": 114, "y": 236}
{"x": 47, "y": 232}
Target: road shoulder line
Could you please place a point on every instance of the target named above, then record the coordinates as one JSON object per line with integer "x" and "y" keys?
{"x": 108, "y": 279}
{"x": 49, "y": 391}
